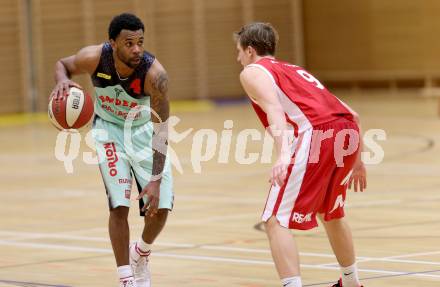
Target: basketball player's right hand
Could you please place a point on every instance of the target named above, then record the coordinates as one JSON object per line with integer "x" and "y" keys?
{"x": 62, "y": 89}
{"x": 279, "y": 172}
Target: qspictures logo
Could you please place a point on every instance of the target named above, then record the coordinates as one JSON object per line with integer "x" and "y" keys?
{"x": 224, "y": 146}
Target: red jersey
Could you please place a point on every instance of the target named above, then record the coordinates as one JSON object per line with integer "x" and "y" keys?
{"x": 306, "y": 102}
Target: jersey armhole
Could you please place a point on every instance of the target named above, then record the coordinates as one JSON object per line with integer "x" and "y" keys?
{"x": 99, "y": 62}
{"x": 264, "y": 70}
{"x": 267, "y": 73}
{"x": 144, "y": 81}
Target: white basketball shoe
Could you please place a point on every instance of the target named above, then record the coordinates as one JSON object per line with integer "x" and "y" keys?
{"x": 127, "y": 282}
{"x": 139, "y": 264}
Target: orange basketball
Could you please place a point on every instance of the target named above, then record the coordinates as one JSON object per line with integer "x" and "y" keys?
{"x": 71, "y": 112}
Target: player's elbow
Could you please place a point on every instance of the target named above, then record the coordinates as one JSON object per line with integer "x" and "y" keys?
{"x": 59, "y": 64}
{"x": 61, "y": 69}
{"x": 68, "y": 64}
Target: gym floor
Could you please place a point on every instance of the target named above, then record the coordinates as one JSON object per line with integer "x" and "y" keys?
{"x": 53, "y": 223}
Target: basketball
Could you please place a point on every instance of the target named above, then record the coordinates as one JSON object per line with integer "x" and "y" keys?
{"x": 71, "y": 112}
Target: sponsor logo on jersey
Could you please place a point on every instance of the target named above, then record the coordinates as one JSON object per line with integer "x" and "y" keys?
{"x": 301, "y": 218}
{"x": 117, "y": 102}
{"x": 124, "y": 181}
{"x": 112, "y": 158}
{"x": 104, "y": 76}
{"x": 118, "y": 92}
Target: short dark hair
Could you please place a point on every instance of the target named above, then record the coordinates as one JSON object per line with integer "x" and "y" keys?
{"x": 261, "y": 36}
{"x": 124, "y": 21}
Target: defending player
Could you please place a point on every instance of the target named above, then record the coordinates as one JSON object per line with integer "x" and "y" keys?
{"x": 317, "y": 138}
{"x": 130, "y": 132}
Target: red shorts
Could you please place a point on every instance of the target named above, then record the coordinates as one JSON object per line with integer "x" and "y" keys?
{"x": 317, "y": 177}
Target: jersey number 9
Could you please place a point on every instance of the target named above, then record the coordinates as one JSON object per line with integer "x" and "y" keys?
{"x": 309, "y": 78}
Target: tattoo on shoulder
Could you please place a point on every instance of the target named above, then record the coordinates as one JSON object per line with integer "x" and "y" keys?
{"x": 160, "y": 82}
{"x": 159, "y": 100}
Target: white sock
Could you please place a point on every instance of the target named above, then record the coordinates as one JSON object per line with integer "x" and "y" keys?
{"x": 141, "y": 248}
{"x": 292, "y": 282}
{"x": 125, "y": 272}
{"x": 350, "y": 276}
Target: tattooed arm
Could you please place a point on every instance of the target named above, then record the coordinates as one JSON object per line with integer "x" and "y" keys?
{"x": 156, "y": 84}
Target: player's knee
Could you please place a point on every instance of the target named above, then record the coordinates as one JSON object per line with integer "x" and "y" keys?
{"x": 335, "y": 224}
{"x": 270, "y": 225}
{"x": 159, "y": 218}
{"x": 162, "y": 215}
{"x": 119, "y": 213}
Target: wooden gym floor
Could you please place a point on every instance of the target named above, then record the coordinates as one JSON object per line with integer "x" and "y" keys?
{"x": 53, "y": 224}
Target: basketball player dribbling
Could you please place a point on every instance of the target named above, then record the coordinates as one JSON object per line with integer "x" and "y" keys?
{"x": 130, "y": 133}
{"x": 318, "y": 147}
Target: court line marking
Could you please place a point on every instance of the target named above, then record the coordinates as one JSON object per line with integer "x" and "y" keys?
{"x": 385, "y": 259}
{"x": 414, "y": 254}
{"x": 371, "y": 278}
{"x": 397, "y": 260}
{"x": 205, "y": 258}
{"x": 211, "y": 219}
{"x": 394, "y": 258}
{"x": 30, "y": 284}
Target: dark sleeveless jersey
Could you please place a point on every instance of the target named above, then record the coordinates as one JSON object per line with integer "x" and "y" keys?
{"x": 115, "y": 97}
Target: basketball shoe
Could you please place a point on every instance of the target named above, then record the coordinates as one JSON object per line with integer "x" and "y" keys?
{"x": 127, "y": 282}
{"x": 140, "y": 266}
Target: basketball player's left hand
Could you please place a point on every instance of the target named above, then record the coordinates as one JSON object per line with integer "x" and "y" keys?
{"x": 279, "y": 173}
{"x": 358, "y": 177}
{"x": 152, "y": 191}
